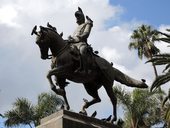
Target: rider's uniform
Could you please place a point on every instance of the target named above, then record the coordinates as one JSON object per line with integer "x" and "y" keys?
{"x": 81, "y": 34}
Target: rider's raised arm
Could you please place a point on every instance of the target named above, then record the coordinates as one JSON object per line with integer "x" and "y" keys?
{"x": 87, "y": 29}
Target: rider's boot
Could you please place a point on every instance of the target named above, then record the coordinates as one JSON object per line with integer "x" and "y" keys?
{"x": 85, "y": 64}
{"x": 80, "y": 68}
{"x": 83, "y": 68}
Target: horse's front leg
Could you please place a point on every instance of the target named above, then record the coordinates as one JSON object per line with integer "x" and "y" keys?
{"x": 61, "y": 83}
{"x": 67, "y": 106}
{"x": 56, "y": 72}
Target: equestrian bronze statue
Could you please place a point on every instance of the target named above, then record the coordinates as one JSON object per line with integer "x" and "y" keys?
{"x": 75, "y": 60}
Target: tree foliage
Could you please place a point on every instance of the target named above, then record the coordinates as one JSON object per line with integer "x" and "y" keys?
{"x": 142, "y": 40}
{"x": 25, "y": 113}
{"x": 166, "y": 107}
{"x": 47, "y": 104}
{"x": 162, "y": 59}
{"x": 142, "y": 107}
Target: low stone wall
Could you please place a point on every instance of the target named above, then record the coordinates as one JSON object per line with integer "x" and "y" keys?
{"x": 67, "y": 119}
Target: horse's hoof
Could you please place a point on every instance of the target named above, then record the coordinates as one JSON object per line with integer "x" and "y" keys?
{"x": 94, "y": 114}
{"x": 60, "y": 92}
{"x": 62, "y": 107}
{"x": 67, "y": 107}
{"x": 85, "y": 100}
{"x": 113, "y": 120}
{"x": 83, "y": 113}
{"x": 107, "y": 119}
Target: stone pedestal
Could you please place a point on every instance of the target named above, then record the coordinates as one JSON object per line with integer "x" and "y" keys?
{"x": 67, "y": 119}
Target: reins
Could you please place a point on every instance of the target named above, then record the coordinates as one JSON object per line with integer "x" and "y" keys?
{"x": 61, "y": 51}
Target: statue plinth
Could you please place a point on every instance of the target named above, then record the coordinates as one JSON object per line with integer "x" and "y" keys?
{"x": 67, "y": 119}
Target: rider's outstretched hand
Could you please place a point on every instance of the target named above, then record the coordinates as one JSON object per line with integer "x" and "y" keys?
{"x": 89, "y": 20}
{"x": 70, "y": 39}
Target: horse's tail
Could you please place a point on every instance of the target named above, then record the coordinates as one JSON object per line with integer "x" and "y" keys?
{"x": 125, "y": 79}
{"x": 112, "y": 74}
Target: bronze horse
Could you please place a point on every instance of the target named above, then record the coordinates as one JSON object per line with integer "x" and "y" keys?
{"x": 67, "y": 61}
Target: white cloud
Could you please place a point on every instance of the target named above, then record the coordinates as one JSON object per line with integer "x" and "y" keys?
{"x": 162, "y": 45}
{"x": 163, "y": 28}
{"x": 23, "y": 72}
{"x": 7, "y": 15}
{"x": 110, "y": 54}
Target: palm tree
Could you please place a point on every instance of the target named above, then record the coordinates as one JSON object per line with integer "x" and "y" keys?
{"x": 163, "y": 59}
{"x": 141, "y": 107}
{"x": 48, "y": 103}
{"x": 24, "y": 113}
{"x": 143, "y": 41}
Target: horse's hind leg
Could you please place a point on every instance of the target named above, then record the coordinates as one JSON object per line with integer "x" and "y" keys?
{"x": 92, "y": 90}
{"x": 113, "y": 99}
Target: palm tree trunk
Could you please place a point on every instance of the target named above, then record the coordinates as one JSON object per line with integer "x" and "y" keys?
{"x": 132, "y": 124}
{"x": 136, "y": 123}
{"x": 154, "y": 67}
{"x": 155, "y": 71}
{"x": 30, "y": 125}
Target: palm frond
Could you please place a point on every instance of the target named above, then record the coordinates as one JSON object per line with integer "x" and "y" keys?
{"x": 167, "y": 114}
{"x": 48, "y": 103}
{"x": 161, "y": 59}
{"x": 22, "y": 113}
{"x": 142, "y": 40}
{"x": 133, "y": 45}
{"x": 166, "y": 68}
{"x": 160, "y": 80}
{"x": 12, "y": 118}
{"x": 25, "y": 113}
{"x": 141, "y": 108}
{"x": 167, "y": 40}
{"x": 158, "y": 61}
{"x": 166, "y": 37}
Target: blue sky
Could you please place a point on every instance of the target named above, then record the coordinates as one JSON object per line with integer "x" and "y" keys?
{"x": 154, "y": 12}
{"x": 114, "y": 21}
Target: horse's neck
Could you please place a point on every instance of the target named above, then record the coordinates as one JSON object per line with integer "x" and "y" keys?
{"x": 58, "y": 45}
{"x": 60, "y": 42}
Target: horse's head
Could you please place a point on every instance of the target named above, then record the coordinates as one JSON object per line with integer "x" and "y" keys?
{"x": 46, "y": 39}
{"x": 42, "y": 41}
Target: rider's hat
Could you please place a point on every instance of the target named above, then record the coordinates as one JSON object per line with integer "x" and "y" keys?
{"x": 79, "y": 15}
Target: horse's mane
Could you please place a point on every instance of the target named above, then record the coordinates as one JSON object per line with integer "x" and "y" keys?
{"x": 52, "y": 33}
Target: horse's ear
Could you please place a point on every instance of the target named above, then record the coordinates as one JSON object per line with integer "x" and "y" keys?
{"x": 34, "y": 30}
{"x": 79, "y": 9}
{"x": 61, "y": 34}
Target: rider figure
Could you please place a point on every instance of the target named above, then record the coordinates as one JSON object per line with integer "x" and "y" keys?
{"x": 79, "y": 38}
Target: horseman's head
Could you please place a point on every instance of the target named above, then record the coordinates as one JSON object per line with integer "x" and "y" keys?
{"x": 43, "y": 42}
{"x": 79, "y": 16}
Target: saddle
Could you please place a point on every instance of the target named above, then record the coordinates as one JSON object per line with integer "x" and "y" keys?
{"x": 87, "y": 64}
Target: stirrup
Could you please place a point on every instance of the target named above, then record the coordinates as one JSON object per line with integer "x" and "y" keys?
{"x": 78, "y": 70}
